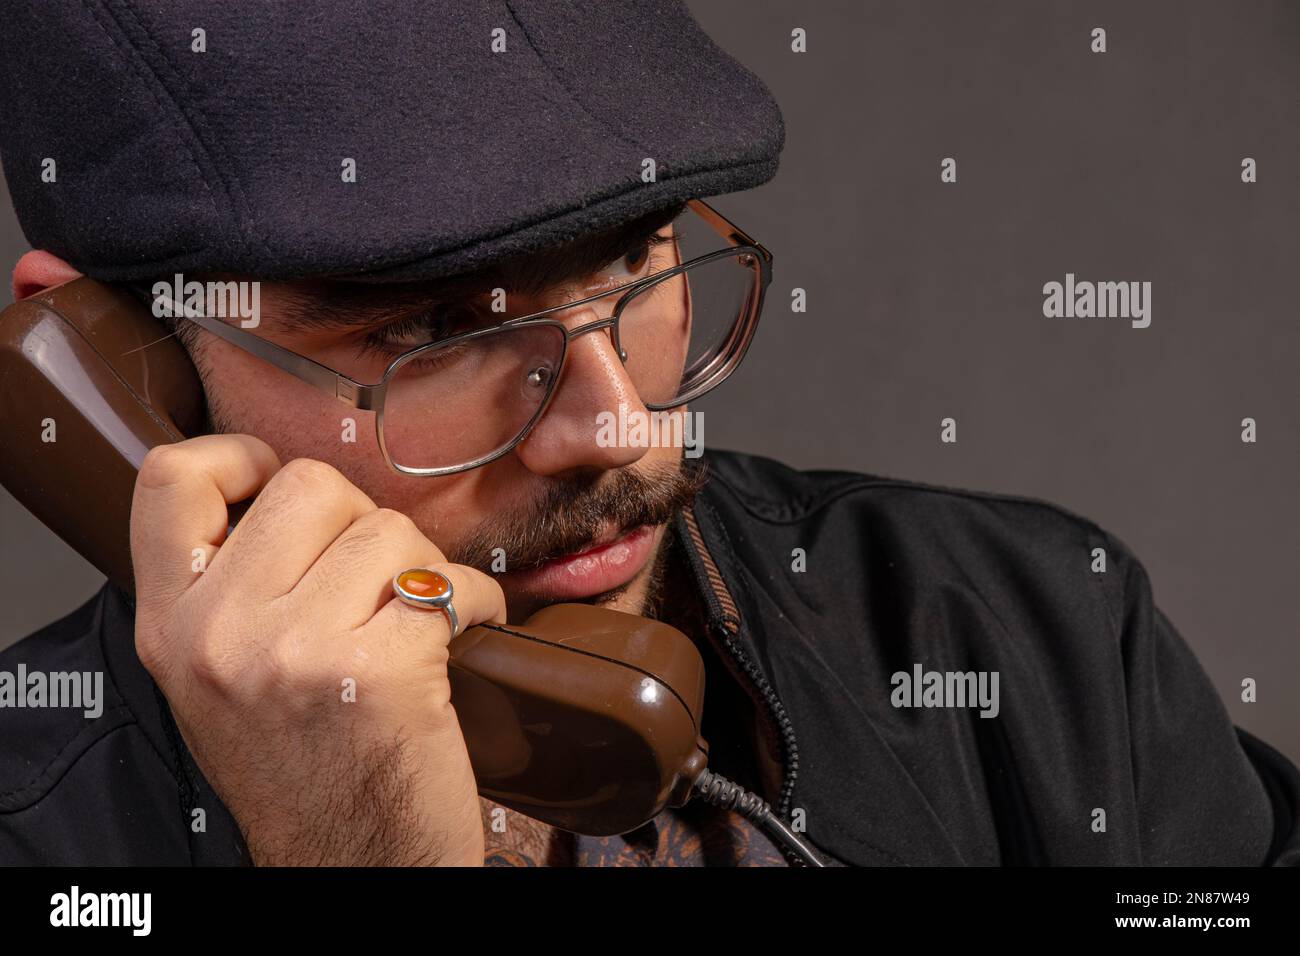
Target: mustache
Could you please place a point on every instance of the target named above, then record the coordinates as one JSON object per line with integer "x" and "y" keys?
{"x": 572, "y": 512}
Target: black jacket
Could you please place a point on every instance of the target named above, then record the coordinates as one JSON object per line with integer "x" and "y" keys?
{"x": 1104, "y": 714}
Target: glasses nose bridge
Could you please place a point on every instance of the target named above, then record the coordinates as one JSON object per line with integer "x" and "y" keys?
{"x": 593, "y": 326}
{"x": 610, "y": 322}
{"x": 596, "y": 325}
{"x": 594, "y": 305}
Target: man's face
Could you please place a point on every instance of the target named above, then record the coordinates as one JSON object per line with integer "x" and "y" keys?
{"x": 569, "y": 517}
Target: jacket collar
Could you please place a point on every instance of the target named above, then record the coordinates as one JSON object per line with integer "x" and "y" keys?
{"x": 863, "y": 805}
{"x": 777, "y": 751}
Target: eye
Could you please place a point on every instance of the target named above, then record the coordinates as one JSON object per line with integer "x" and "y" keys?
{"x": 637, "y": 256}
{"x": 651, "y": 254}
{"x": 426, "y": 326}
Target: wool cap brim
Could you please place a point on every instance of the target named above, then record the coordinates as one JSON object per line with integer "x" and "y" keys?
{"x": 395, "y": 139}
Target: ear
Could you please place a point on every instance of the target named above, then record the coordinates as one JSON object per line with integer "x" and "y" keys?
{"x": 39, "y": 270}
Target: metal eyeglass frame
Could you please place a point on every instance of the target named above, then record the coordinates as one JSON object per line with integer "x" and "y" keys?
{"x": 371, "y": 397}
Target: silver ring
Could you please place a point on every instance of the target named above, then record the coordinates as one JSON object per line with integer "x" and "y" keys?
{"x": 428, "y": 589}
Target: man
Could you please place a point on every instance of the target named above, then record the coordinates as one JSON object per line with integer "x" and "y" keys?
{"x": 489, "y": 212}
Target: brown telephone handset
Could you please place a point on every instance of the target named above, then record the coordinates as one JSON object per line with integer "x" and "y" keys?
{"x": 585, "y": 718}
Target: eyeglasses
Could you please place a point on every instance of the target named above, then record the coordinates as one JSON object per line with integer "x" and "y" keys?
{"x": 462, "y": 401}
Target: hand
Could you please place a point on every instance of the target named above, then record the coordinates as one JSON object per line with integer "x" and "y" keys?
{"x": 254, "y": 655}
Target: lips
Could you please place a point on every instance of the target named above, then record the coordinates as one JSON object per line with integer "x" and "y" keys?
{"x": 610, "y": 562}
{"x": 602, "y": 541}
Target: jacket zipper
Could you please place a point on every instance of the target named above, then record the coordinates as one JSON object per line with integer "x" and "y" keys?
{"x": 728, "y": 624}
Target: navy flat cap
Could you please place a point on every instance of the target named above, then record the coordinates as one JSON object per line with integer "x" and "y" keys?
{"x": 398, "y": 140}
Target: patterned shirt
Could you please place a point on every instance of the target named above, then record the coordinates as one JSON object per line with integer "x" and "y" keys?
{"x": 693, "y": 835}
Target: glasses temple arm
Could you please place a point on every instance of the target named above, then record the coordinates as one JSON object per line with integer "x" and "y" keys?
{"x": 725, "y": 227}
{"x": 313, "y": 373}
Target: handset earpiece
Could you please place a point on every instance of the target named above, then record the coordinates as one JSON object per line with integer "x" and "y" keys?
{"x": 89, "y": 382}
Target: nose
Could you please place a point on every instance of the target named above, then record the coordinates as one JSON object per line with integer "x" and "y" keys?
{"x": 574, "y": 432}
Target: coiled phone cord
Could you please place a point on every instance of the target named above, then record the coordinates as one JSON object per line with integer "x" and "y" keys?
{"x": 721, "y": 792}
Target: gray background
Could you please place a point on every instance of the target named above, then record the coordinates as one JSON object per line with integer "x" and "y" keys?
{"x": 925, "y": 301}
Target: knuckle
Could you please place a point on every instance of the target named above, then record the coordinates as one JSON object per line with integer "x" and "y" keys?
{"x": 379, "y": 532}
{"x": 164, "y": 466}
{"x": 388, "y": 522}
{"x": 357, "y": 545}
{"x": 213, "y": 663}
{"x": 285, "y": 664}
{"x": 311, "y": 475}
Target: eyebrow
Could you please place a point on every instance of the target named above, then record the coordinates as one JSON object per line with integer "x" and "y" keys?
{"x": 349, "y": 305}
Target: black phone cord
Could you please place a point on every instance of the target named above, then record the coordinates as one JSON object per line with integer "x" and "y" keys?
{"x": 720, "y": 792}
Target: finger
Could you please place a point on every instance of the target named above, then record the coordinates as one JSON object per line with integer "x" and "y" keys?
{"x": 355, "y": 573}
{"x": 476, "y": 597}
{"x": 297, "y": 516}
{"x": 180, "y": 503}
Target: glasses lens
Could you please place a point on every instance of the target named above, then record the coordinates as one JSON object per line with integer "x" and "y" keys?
{"x": 684, "y": 334}
{"x": 457, "y": 403}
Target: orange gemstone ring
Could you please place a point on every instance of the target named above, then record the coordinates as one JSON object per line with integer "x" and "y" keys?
{"x": 431, "y": 590}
